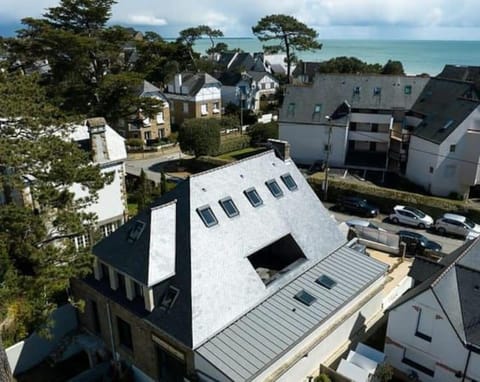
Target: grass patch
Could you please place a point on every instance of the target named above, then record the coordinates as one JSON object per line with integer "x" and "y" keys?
{"x": 132, "y": 209}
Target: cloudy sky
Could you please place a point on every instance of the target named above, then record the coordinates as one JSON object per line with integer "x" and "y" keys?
{"x": 347, "y": 19}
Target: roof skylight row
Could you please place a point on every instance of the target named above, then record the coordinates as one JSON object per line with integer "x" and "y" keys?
{"x": 308, "y": 299}
{"x": 228, "y": 205}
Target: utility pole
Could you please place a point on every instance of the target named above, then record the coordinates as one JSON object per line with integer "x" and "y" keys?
{"x": 329, "y": 147}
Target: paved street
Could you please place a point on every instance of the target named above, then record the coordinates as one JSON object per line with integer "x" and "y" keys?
{"x": 448, "y": 244}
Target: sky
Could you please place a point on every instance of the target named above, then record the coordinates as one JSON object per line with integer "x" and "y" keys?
{"x": 333, "y": 19}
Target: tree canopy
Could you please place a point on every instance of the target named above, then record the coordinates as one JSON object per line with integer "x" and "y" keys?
{"x": 393, "y": 67}
{"x": 348, "y": 65}
{"x": 288, "y": 35}
{"x": 200, "y": 136}
{"x": 37, "y": 255}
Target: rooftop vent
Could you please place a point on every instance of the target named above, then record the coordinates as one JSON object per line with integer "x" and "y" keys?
{"x": 136, "y": 231}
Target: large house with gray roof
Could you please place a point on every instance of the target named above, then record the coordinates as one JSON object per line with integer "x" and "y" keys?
{"x": 434, "y": 329}
{"x": 372, "y": 136}
{"x": 238, "y": 274}
{"x": 194, "y": 95}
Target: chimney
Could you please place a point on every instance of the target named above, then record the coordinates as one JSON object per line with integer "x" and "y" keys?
{"x": 282, "y": 148}
{"x": 98, "y": 141}
{"x": 178, "y": 83}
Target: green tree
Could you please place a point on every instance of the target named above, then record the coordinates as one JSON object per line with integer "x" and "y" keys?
{"x": 144, "y": 191}
{"x": 348, "y": 65}
{"x": 200, "y": 136}
{"x": 288, "y": 35}
{"x": 384, "y": 372}
{"x": 261, "y": 132}
{"x": 393, "y": 67}
{"x": 189, "y": 36}
{"x": 37, "y": 255}
{"x": 163, "y": 183}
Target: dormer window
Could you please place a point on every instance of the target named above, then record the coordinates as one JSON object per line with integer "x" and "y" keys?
{"x": 291, "y": 110}
{"x": 136, "y": 231}
{"x": 207, "y": 216}
{"x": 169, "y": 297}
{"x": 229, "y": 207}
{"x": 289, "y": 182}
{"x": 253, "y": 197}
{"x": 274, "y": 188}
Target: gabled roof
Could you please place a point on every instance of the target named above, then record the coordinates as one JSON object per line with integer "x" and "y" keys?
{"x": 306, "y": 68}
{"x": 195, "y": 81}
{"x": 148, "y": 89}
{"x": 243, "y": 61}
{"x": 258, "y": 76}
{"x": 456, "y": 287}
{"x": 261, "y": 336}
{"x": 217, "y": 283}
{"x": 230, "y": 78}
{"x": 444, "y": 105}
{"x": 330, "y": 90}
{"x": 460, "y": 73}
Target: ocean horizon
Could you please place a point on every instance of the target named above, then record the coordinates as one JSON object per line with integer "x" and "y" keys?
{"x": 417, "y": 56}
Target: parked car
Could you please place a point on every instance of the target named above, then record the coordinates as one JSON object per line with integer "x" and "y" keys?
{"x": 457, "y": 225}
{"x": 363, "y": 223}
{"x": 357, "y": 206}
{"x": 418, "y": 244}
{"x": 410, "y": 216}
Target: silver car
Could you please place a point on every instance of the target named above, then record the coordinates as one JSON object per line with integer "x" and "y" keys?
{"x": 411, "y": 216}
{"x": 457, "y": 225}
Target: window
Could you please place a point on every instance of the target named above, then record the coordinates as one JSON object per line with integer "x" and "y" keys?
{"x": 419, "y": 362}
{"x": 138, "y": 289}
{"x": 353, "y": 126}
{"x": 291, "y": 110}
{"x": 160, "y": 117}
{"x": 82, "y": 241}
{"x": 105, "y": 273}
{"x": 377, "y": 91}
{"x": 216, "y": 108}
{"x": 289, "y": 182}
{"x": 185, "y": 108}
{"x": 136, "y": 231}
{"x": 274, "y": 188}
{"x": 373, "y": 146}
{"x": 356, "y": 90}
{"x": 326, "y": 281}
{"x": 204, "y": 109}
{"x": 229, "y": 207}
{"x": 424, "y": 324}
{"x": 317, "y": 108}
{"x": 121, "y": 283}
{"x": 95, "y": 316}
{"x": 407, "y": 89}
{"x": 374, "y": 127}
{"x": 124, "y": 333}
{"x": 430, "y": 170}
{"x": 452, "y": 148}
{"x": 253, "y": 197}
{"x": 305, "y": 298}
{"x": 207, "y": 216}
{"x": 326, "y": 148}
{"x": 169, "y": 297}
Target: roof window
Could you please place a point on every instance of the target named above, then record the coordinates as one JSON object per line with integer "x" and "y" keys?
{"x": 229, "y": 207}
{"x": 136, "y": 231}
{"x": 408, "y": 89}
{"x": 289, "y": 182}
{"x": 207, "y": 216}
{"x": 253, "y": 197}
{"x": 169, "y": 297}
{"x": 377, "y": 91}
{"x": 356, "y": 90}
{"x": 305, "y": 297}
{"x": 326, "y": 281}
{"x": 274, "y": 188}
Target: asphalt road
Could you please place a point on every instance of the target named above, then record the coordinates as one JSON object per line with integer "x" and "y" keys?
{"x": 153, "y": 167}
{"x": 448, "y": 243}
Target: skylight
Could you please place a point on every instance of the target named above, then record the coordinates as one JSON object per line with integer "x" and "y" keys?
{"x": 253, "y": 197}
{"x": 136, "y": 231}
{"x": 305, "y": 297}
{"x": 229, "y": 207}
{"x": 326, "y": 281}
{"x": 289, "y": 182}
{"x": 169, "y": 297}
{"x": 274, "y": 188}
{"x": 207, "y": 216}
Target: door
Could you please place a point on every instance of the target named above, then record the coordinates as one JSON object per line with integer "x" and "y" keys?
{"x": 170, "y": 368}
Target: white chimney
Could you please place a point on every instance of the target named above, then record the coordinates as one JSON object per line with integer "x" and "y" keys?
{"x": 178, "y": 83}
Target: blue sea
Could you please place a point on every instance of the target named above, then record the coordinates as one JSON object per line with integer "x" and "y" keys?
{"x": 416, "y": 56}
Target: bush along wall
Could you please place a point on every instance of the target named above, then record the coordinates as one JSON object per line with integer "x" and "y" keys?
{"x": 386, "y": 198}
{"x": 233, "y": 144}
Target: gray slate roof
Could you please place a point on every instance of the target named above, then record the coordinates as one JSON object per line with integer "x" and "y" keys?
{"x": 216, "y": 281}
{"x": 460, "y": 73}
{"x": 196, "y": 81}
{"x": 330, "y": 90}
{"x": 257, "y": 339}
{"x": 444, "y": 105}
{"x": 147, "y": 89}
{"x": 457, "y": 289}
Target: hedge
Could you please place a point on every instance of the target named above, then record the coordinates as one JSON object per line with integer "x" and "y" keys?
{"x": 387, "y": 198}
{"x": 233, "y": 144}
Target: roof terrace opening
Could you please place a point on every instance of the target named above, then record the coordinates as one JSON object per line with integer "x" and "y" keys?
{"x": 276, "y": 259}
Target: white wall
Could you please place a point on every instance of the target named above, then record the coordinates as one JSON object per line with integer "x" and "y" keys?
{"x": 209, "y": 93}
{"x": 445, "y": 352}
{"x": 307, "y": 142}
{"x": 110, "y": 203}
{"x": 334, "y": 341}
{"x": 422, "y": 155}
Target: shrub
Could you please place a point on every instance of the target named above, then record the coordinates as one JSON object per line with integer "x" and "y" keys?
{"x": 200, "y": 136}
{"x": 134, "y": 142}
{"x": 233, "y": 144}
{"x": 322, "y": 378}
{"x": 261, "y": 132}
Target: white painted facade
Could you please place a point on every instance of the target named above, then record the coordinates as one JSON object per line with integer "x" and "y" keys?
{"x": 449, "y": 167}
{"x": 444, "y": 355}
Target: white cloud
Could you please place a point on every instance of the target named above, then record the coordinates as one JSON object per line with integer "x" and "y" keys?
{"x": 146, "y": 20}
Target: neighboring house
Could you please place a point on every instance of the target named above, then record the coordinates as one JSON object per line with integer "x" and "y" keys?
{"x": 148, "y": 128}
{"x": 373, "y": 136}
{"x": 241, "y": 62}
{"x": 107, "y": 149}
{"x": 194, "y": 95}
{"x": 444, "y": 150}
{"x": 305, "y": 72}
{"x": 238, "y": 274}
{"x": 249, "y": 90}
{"x": 460, "y": 73}
{"x": 434, "y": 329}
